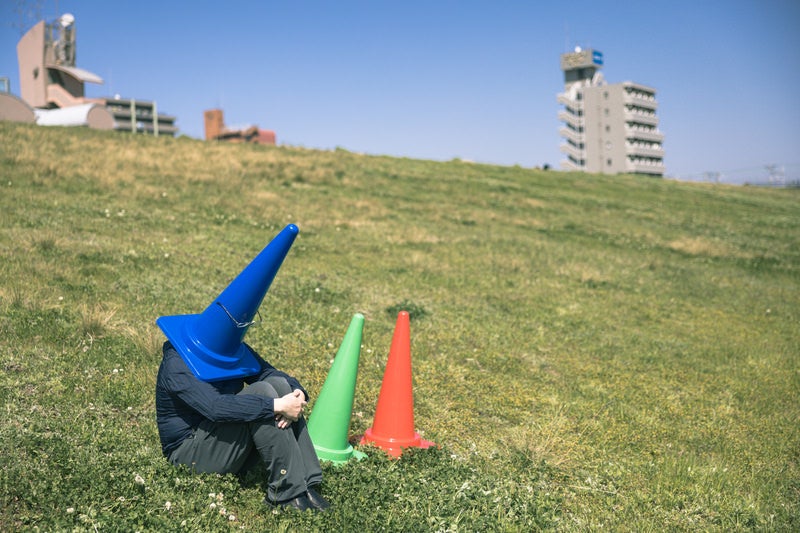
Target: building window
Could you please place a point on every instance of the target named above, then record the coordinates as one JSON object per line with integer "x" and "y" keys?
{"x": 608, "y": 162}
{"x": 608, "y": 128}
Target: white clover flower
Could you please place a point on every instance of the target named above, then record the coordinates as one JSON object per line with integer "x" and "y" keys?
{"x": 168, "y": 505}
{"x": 70, "y": 510}
{"x": 138, "y": 479}
{"x": 232, "y": 517}
{"x": 212, "y": 505}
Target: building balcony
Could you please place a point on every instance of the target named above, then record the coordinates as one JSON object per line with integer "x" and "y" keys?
{"x": 644, "y": 152}
{"x": 571, "y": 166}
{"x": 570, "y": 118}
{"x": 655, "y": 168}
{"x": 644, "y": 135}
{"x": 564, "y": 99}
{"x": 640, "y": 99}
{"x": 164, "y": 128}
{"x": 574, "y": 151}
{"x": 571, "y": 135}
{"x": 641, "y": 118}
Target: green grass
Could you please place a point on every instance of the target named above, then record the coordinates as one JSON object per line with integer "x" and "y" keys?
{"x": 589, "y": 352}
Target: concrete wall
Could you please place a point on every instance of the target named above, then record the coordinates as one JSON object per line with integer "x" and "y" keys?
{"x": 14, "y": 109}
{"x": 32, "y": 72}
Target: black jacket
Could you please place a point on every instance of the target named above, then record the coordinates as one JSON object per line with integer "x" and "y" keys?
{"x": 183, "y": 400}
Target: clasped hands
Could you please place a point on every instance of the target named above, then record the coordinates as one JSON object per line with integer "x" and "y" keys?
{"x": 289, "y": 408}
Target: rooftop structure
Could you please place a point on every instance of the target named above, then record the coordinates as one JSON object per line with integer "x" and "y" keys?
{"x": 48, "y": 76}
{"x": 608, "y": 129}
{"x": 53, "y": 86}
{"x": 216, "y": 130}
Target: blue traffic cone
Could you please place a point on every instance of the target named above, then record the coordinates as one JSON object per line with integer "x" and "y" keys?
{"x": 211, "y": 342}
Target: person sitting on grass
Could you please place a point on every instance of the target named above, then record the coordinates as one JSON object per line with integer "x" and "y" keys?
{"x": 227, "y": 427}
{"x": 222, "y": 408}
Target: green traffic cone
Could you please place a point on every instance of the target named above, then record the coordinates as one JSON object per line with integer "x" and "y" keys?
{"x": 329, "y": 422}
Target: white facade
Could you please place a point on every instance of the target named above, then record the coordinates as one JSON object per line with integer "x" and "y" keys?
{"x": 608, "y": 129}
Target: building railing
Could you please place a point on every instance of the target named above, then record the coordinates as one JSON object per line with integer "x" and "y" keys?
{"x": 569, "y": 118}
{"x": 572, "y": 135}
{"x": 645, "y": 134}
{"x": 564, "y": 99}
{"x": 568, "y": 165}
{"x": 640, "y": 99}
{"x": 633, "y": 149}
{"x": 574, "y": 151}
{"x": 641, "y": 117}
{"x": 645, "y": 165}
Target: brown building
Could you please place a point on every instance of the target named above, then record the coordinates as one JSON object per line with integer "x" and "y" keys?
{"x": 217, "y": 131}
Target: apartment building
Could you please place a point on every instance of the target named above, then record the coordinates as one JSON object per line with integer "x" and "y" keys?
{"x": 607, "y": 128}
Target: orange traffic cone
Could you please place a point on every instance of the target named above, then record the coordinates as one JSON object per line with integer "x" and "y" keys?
{"x": 393, "y": 427}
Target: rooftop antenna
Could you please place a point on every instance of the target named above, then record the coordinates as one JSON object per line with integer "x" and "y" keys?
{"x": 775, "y": 175}
{"x": 27, "y": 10}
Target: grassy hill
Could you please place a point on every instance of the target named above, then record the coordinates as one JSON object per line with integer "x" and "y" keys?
{"x": 588, "y": 352}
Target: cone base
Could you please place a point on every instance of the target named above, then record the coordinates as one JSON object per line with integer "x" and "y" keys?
{"x": 205, "y": 364}
{"x": 338, "y": 456}
{"x": 395, "y": 447}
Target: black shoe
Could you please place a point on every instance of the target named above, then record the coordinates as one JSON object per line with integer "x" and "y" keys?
{"x": 301, "y": 503}
{"x": 317, "y": 500}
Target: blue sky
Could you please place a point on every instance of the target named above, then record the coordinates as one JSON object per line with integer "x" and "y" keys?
{"x": 442, "y": 79}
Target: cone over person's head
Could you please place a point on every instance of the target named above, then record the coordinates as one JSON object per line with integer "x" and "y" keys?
{"x": 393, "y": 427}
{"x": 211, "y": 342}
{"x": 329, "y": 422}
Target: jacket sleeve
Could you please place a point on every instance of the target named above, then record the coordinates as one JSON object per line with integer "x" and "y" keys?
{"x": 210, "y": 403}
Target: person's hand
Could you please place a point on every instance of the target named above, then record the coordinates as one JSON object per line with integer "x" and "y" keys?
{"x": 289, "y": 408}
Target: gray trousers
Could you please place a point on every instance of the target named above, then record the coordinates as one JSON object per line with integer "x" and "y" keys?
{"x": 232, "y": 448}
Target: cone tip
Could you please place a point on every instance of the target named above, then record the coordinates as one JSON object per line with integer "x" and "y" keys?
{"x": 292, "y": 228}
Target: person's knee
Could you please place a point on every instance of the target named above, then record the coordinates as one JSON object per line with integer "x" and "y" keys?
{"x": 280, "y": 384}
{"x": 262, "y": 388}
